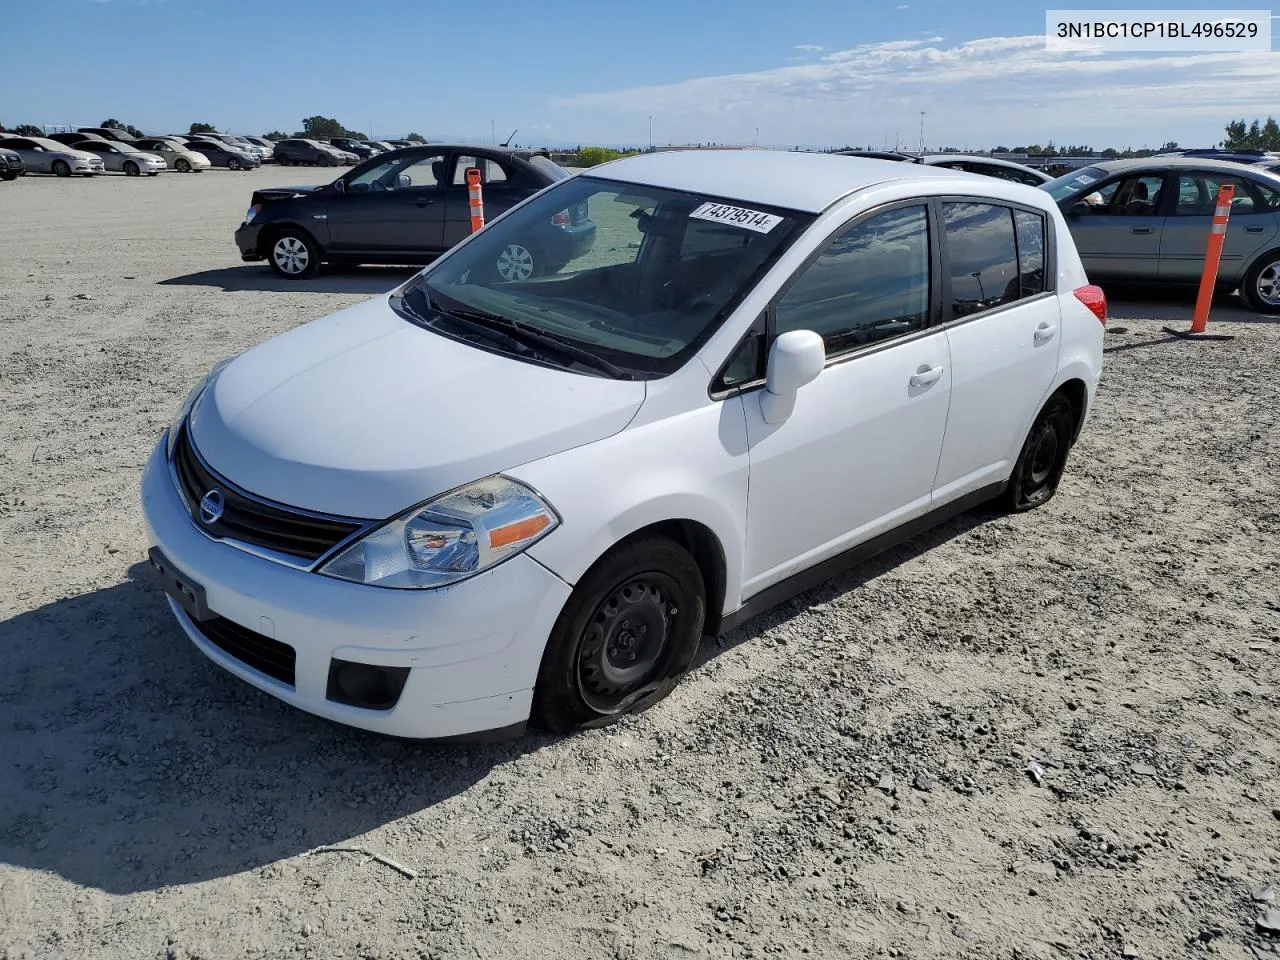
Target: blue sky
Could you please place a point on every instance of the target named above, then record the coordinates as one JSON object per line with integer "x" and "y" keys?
{"x": 803, "y": 71}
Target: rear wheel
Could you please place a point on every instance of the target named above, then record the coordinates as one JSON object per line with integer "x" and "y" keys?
{"x": 233, "y": 163}
{"x": 624, "y": 639}
{"x": 518, "y": 262}
{"x": 8, "y": 176}
{"x": 294, "y": 255}
{"x": 61, "y": 168}
{"x": 1043, "y": 457}
{"x": 182, "y": 165}
{"x": 324, "y": 160}
{"x": 1261, "y": 287}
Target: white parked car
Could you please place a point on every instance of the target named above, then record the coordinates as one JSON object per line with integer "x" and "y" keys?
{"x": 473, "y": 501}
{"x": 124, "y": 158}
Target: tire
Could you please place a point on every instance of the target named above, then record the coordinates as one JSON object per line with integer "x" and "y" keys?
{"x": 8, "y": 176}
{"x": 644, "y": 600}
{"x": 182, "y": 165}
{"x": 61, "y": 168}
{"x": 233, "y": 164}
{"x": 518, "y": 262}
{"x": 1261, "y": 287}
{"x": 1043, "y": 458}
{"x": 294, "y": 255}
{"x": 131, "y": 169}
{"x": 324, "y": 160}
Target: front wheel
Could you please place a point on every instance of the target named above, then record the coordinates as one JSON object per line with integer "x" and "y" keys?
{"x": 131, "y": 169}
{"x": 1043, "y": 458}
{"x": 182, "y": 165}
{"x": 61, "y": 168}
{"x": 624, "y": 639}
{"x": 8, "y": 176}
{"x": 1261, "y": 287}
{"x": 233, "y": 164}
{"x": 294, "y": 255}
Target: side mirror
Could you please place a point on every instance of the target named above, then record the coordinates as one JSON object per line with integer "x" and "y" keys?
{"x": 796, "y": 358}
{"x": 339, "y": 186}
{"x": 1078, "y": 209}
{"x": 404, "y": 180}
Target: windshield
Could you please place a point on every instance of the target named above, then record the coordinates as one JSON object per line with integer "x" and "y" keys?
{"x": 636, "y": 277}
{"x": 1073, "y": 182}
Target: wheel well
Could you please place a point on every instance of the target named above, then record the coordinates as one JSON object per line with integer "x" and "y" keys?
{"x": 1263, "y": 257}
{"x": 704, "y": 546}
{"x": 1078, "y": 396}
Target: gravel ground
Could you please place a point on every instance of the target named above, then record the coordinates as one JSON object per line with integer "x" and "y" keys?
{"x": 1050, "y": 735}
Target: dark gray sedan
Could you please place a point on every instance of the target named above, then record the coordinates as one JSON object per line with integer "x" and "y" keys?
{"x": 1148, "y": 221}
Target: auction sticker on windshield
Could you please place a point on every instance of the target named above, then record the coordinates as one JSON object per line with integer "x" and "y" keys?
{"x": 736, "y": 216}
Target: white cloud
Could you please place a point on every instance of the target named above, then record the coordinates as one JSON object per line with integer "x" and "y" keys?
{"x": 981, "y": 91}
{"x": 809, "y": 47}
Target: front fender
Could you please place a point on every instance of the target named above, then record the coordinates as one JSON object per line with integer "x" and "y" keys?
{"x": 690, "y": 467}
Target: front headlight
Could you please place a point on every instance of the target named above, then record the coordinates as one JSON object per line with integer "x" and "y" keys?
{"x": 450, "y": 538}
{"x": 187, "y": 404}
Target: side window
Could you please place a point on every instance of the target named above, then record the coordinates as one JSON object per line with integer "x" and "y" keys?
{"x": 983, "y": 255}
{"x": 870, "y": 284}
{"x": 425, "y": 171}
{"x": 747, "y": 362}
{"x": 492, "y": 173}
{"x": 1134, "y": 197}
{"x": 1029, "y": 231}
{"x": 1198, "y": 195}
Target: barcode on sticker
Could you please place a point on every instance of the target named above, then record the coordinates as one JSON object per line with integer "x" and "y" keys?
{"x": 736, "y": 217}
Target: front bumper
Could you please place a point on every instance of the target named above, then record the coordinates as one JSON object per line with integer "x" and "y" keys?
{"x": 473, "y": 649}
{"x": 88, "y": 166}
{"x": 247, "y": 241}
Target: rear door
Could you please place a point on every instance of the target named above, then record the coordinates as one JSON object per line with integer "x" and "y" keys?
{"x": 1118, "y": 228}
{"x": 394, "y": 208}
{"x": 502, "y": 185}
{"x": 1002, "y": 322}
{"x": 1251, "y": 228}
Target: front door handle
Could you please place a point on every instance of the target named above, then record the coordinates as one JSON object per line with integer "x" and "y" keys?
{"x": 925, "y": 376}
{"x": 1141, "y": 229}
{"x": 424, "y": 201}
{"x": 1254, "y": 229}
{"x": 1045, "y": 331}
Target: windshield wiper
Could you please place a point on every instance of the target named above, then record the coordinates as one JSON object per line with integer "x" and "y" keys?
{"x": 531, "y": 337}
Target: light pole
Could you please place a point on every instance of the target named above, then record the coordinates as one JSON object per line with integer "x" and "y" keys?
{"x": 651, "y": 133}
{"x": 757, "y": 143}
{"x": 922, "y": 131}
{"x": 493, "y": 135}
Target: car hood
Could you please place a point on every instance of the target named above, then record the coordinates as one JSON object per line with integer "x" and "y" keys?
{"x": 363, "y": 414}
{"x": 267, "y": 194}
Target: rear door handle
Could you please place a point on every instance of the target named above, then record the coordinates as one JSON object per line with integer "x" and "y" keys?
{"x": 424, "y": 201}
{"x": 1141, "y": 229}
{"x": 1254, "y": 229}
{"x": 1045, "y": 331}
{"x": 925, "y": 376}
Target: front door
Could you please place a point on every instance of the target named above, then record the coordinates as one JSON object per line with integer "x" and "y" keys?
{"x": 392, "y": 209}
{"x": 1251, "y": 227}
{"x": 1003, "y": 330}
{"x": 859, "y": 453}
{"x": 1118, "y": 230}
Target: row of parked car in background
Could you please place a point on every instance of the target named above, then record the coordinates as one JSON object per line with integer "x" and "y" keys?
{"x": 88, "y": 151}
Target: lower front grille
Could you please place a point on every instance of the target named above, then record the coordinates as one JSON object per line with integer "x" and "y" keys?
{"x": 263, "y": 654}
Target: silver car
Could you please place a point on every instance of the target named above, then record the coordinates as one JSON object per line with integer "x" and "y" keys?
{"x": 1148, "y": 221}
{"x": 266, "y": 149}
{"x": 42, "y": 155}
{"x": 123, "y": 158}
{"x": 175, "y": 154}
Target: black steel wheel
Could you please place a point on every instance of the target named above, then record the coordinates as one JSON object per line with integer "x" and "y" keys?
{"x": 1044, "y": 456}
{"x": 626, "y": 636}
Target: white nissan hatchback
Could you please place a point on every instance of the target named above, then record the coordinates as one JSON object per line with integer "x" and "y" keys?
{"x": 475, "y": 502}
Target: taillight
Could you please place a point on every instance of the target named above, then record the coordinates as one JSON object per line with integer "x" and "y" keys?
{"x": 561, "y": 219}
{"x": 1093, "y": 298}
